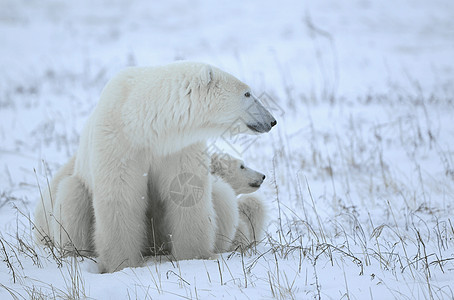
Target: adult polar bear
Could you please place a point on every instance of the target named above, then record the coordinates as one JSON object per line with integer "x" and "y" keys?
{"x": 149, "y": 121}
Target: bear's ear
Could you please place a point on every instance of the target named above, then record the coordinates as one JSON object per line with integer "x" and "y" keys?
{"x": 206, "y": 75}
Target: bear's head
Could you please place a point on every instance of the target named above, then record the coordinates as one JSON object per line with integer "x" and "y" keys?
{"x": 229, "y": 104}
{"x": 242, "y": 179}
{"x": 182, "y": 103}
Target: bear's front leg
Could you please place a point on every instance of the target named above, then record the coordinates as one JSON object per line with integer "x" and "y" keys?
{"x": 185, "y": 188}
{"x": 120, "y": 202}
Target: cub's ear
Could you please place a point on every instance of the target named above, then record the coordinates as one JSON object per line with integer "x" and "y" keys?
{"x": 216, "y": 165}
{"x": 206, "y": 75}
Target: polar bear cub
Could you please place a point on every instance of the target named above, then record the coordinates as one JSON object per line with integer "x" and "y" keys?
{"x": 239, "y": 221}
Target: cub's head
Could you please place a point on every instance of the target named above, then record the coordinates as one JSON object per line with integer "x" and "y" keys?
{"x": 230, "y": 105}
{"x": 242, "y": 179}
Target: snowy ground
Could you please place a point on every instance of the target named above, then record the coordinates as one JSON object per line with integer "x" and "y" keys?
{"x": 360, "y": 168}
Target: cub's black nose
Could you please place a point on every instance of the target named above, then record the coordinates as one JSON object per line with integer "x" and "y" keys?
{"x": 273, "y": 123}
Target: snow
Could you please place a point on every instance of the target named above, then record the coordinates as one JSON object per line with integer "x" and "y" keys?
{"x": 360, "y": 167}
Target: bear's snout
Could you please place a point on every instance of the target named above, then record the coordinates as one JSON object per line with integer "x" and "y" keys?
{"x": 258, "y": 183}
{"x": 262, "y": 120}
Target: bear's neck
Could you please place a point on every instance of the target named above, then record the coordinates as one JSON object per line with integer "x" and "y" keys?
{"x": 167, "y": 140}
{"x": 176, "y": 141}
{"x": 166, "y": 132}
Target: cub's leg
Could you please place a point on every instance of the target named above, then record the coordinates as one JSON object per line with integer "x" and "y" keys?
{"x": 226, "y": 208}
{"x": 251, "y": 225}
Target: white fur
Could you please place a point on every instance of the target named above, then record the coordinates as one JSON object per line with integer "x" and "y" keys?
{"x": 226, "y": 208}
{"x": 251, "y": 221}
{"x": 238, "y": 222}
{"x": 44, "y": 218}
{"x": 148, "y": 121}
{"x": 242, "y": 179}
{"x": 244, "y": 217}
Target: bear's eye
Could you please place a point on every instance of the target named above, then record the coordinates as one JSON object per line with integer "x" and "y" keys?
{"x": 242, "y": 166}
{"x": 247, "y": 94}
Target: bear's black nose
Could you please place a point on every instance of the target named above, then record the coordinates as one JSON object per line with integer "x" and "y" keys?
{"x": 273, "y": 123}
{"x": 263, "y": 178}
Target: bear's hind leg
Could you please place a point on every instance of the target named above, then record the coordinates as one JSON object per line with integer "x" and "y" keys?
{"x": 73, "y": 212}
{"x": 44, "y": 210}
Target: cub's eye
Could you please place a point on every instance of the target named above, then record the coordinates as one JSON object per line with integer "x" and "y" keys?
{"x": 247, "y": 94}
{"x": 242, "y": 166}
